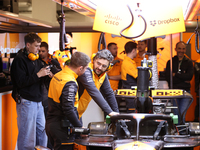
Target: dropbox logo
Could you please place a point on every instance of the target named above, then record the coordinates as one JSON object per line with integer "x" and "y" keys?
{"x": 162, "y": 22}
{"x": 9, "y": 50}
{"x": 153, "y": 23}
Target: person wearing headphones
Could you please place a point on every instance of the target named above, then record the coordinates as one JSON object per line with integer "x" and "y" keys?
{"x": 26, "y": 75}
{"x": 95, "y": 80}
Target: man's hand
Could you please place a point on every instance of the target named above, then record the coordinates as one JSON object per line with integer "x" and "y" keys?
{"x": 113, "y": 113}
{"x": 51, "y": 75}
{"x": 43, "y": 72}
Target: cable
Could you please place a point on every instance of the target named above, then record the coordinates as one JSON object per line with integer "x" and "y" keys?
{"x": 128, "y": 37}
{"x": 197, "y": 39}
{"x": 102, "y": 42}
{"x": 62, "y": 38}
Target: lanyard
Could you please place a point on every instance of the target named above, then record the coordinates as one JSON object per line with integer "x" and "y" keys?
{"x": 179, "y": 66}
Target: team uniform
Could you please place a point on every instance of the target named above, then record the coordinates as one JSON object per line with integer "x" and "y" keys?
{"x": 138, "y": 59}
{"x": 116, "y": 70}
{"x": 63, "y": 103}
{"x": 129, "y": 74}
{"x": 90, "y": 85}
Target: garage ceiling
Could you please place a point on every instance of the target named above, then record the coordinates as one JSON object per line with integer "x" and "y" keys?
{"x": 41, "y": 15}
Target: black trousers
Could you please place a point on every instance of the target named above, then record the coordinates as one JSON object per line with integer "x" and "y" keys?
{"x": 59, "y": 137}
{"x": 197, "y": 109}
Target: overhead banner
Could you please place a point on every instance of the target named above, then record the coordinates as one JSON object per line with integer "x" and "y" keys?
{"x": 139, "y": 21}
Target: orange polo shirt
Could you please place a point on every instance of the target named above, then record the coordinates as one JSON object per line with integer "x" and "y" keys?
{"x": 138, "y": 59}
{"x": 116, "y": 70}
{"x": 128, "y": 67}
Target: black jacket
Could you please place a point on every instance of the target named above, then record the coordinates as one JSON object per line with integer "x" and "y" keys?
{"x": 24, "y": 78}
{"x": 197, "y": 76}
{"x": 182, "y": 74}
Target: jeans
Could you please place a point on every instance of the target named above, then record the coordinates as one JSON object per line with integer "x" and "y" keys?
{"x": 183, "y": 105}
{"x": 31, "y": 125}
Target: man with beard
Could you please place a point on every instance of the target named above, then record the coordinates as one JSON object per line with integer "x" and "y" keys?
{"x": 141, "y": 46}
{"x": 114, "y": 75}
{"x": 54, "y": 65}
{"x": 182, "y": 72}
{"x": 95, "y": 80}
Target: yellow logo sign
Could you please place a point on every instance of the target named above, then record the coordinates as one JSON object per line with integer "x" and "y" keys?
{"x": 139, "y": 21}
{"x": 167, "y": 93}
{"x": 159, "y": 93}
{"x": 126, "y": 92}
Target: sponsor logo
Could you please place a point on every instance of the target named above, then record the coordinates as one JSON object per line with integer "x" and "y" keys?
{"x": 9, "y": 50}
{"x": 127, "y": 92}
{"x": 88, "y": 76}
{"x": 113, "y": 20}
{"x": 71, "y": 95}
{"x": 161, "y": 22}
{"x": 167, "y": 92}
{"x": 153, "y": 23}
{"x": 57, "y": 79}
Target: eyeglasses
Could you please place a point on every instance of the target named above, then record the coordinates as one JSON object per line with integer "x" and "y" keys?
{"x": 103, "y": 66}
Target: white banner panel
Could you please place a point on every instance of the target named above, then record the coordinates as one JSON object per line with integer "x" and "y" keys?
{"x": 139, "y": 20}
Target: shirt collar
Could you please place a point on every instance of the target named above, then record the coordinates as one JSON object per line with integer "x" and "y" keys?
{"x": 67, "y": 70}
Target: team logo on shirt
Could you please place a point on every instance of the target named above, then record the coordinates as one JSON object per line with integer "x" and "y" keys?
{"x": 71, "y": 93}
{"x": 88, "y": 76}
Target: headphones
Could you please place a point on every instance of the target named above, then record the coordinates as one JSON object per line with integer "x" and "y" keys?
{"x": 110, "y": 66}
{"x": 31, "y": 56}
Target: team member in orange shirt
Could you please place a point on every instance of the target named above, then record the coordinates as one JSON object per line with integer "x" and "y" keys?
{"x": 114, "y": 75}
{"x": 129, "y": 72}
{"x": 141, "y": 52}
